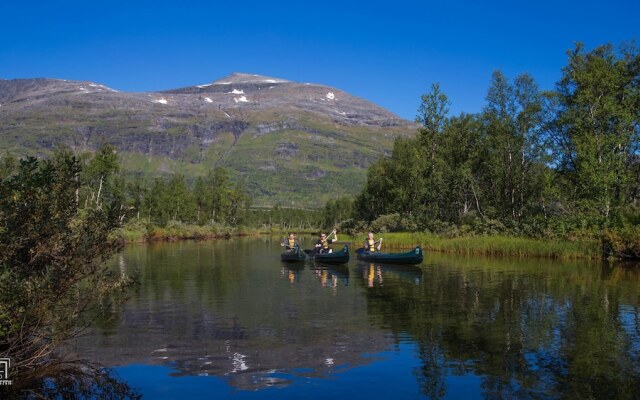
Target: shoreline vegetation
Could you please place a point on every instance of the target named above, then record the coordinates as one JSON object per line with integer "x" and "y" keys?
{"x": 140, "y": 232}
{"x": 489, "y": 245}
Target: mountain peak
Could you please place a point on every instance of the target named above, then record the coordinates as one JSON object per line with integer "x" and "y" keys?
{"x": 265, "y": 130}
{"x": 241, "y": 77}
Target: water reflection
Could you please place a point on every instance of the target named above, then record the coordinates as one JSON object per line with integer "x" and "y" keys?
{"x": 291, "y": 271}
{"x": 331, "y": 275}
{"x": 69, "y": 379}
{"x": 510, "y": 329}
{"x": 227, "y": 310}
{"x": 374, "y": 273}
{"x": 528, "y": 331}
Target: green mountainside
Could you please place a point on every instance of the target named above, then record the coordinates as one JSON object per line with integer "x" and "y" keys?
{"x": 290, "y": 143}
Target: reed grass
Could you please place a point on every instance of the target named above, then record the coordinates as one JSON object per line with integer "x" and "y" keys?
{"x": 470, "y": 245}
{"x": 488, "y": 245}
{"x": 136, "y": 232}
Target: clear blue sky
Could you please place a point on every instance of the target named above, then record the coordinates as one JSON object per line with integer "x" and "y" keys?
{"x": 387, "y": 52}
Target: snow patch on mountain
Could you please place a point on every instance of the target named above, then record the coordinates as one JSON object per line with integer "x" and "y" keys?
{"x": 208, "y": 100}
{"x": 99, "y": 87}
{"x": 331, "y": 96}
{"x": 236, "y": 91}
{"x": 241, "y": 99}
{"x": 160, "y": 101}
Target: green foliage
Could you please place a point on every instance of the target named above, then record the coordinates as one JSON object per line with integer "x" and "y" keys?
{"x": 561, "y": 164}
{"x": 491, "y": 164}
{"x": 396, "y": 184}
{"x": 493, "y": 245}
{"x": 622, "y": 242}
{"x": 393, "y": 223}
{"x": 213, "y": 199}
{"x": 7, "y": 165}
{"x": 52, "y": 278}
{"x": 284, "y": 219}
{"x": 511, "y": 160}
{"x": 596, "y": 127}
{"x": 337, "y": 212}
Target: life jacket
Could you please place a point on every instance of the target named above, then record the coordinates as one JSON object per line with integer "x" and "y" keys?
{"x": 371, "y": 244}
{"x": 292, "y": 243}
{"x": 325, "y": 243}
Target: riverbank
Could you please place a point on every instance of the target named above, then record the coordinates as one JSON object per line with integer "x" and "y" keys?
{"x": 489, "y": 245}
{"x": 137, "y": 232}
{"x": 140, "y": 232}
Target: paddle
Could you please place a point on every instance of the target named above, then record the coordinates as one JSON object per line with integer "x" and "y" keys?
{"x": 333, "y": 232}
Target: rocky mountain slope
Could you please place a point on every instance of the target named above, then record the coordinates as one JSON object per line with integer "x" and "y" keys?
{"x": 291, "y": 143}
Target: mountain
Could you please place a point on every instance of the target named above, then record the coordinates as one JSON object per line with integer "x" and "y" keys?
{"x": 291, "y": 143}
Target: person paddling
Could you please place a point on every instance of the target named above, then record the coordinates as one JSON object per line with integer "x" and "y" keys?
{"x": 371, "y": 245}
{"x": 322, "y": 245}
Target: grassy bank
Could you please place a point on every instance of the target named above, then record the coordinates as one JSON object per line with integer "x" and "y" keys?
{"x": 488, "y": 245}
{"x": 138, "y": 232}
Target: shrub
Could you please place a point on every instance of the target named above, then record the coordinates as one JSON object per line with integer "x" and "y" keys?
{"x": 393, "y": 223}
{"x": 52, "y": 278}
{"x": 621, "y": 243}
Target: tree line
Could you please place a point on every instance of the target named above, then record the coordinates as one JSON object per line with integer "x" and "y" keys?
{"x": 560, "y": 163}
{"x": 538, "y": 163}
{"x": 214, "y": 198}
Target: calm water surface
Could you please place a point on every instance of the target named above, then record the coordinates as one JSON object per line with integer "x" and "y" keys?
{"x": 228, "y": 319}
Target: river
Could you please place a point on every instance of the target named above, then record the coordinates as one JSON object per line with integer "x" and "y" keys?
{"x": 228, "y": 319}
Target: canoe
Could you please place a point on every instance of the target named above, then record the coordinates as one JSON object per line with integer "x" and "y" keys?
{"x": 337, "y": 257}
{"x": 411, "y": 257}
{"x": 293, "y": 255}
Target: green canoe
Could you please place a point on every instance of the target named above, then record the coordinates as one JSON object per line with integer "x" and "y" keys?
{"x": 293, "y": 255}
{"x": 411, "y": 257}
{"x": 336, "y": 257}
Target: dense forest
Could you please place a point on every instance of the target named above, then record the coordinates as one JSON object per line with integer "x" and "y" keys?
{"x": 558, "y": 164}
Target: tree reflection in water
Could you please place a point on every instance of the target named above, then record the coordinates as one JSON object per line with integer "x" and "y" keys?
{"x": 76, "y": 380}
{"x": 495, "y": 328}
{"x": 527, "y": 331}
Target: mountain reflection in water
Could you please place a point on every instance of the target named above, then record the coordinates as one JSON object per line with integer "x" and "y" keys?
{"x": 226, "y": 309}
{"x": 497, "y": 328}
